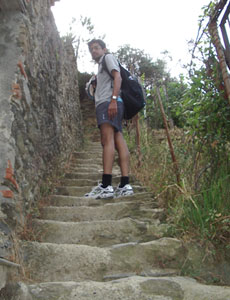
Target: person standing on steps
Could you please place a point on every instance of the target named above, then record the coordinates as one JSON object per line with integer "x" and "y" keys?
{"x": 109, "y": 113}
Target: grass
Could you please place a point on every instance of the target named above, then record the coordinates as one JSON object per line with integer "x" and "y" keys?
{"x": 198, "y": 211}
{"x": 209, "y": 211}
{"x": 198, "y": 208}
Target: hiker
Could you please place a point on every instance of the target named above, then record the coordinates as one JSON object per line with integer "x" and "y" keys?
{"x": 109, "y": 113}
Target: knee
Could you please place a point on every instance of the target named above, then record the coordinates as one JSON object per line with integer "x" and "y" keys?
{"x": 106, "y": 140}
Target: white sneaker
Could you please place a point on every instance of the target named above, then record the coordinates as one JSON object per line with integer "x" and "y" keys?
{"x": 98, "y": 192}
{"x": 124, "y": 191}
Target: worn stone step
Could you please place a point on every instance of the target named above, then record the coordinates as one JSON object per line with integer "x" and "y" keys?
{"x": 90, "y": 182}
{"x": 86, "y": 165}
{"x": 94, "y": 147}
{"x": 109, "y": 211}
{"x": 93, "y": 176}
{"x": 62, "y": 262}
{"x": 78, "y": 182}
{"x": 100, "y": 233}
{"x": 92, "y": 167}
{"x": 82, "y": 190}
{"x": 94, "y": 150}
{"x": 131, "y": 288}
{"x": 85, "y": 182}
{"x": 156, "y": 272}
{"x": 89, "y": 160}
{"x": 64, "y": 200}
{"x": 76, "y": 156}
{"x": 87, "y": 169}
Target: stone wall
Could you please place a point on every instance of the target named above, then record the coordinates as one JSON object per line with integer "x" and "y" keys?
{"x": 40, "y": 119}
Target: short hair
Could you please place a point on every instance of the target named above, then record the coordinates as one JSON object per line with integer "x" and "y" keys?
{"x": 98, "y": 41}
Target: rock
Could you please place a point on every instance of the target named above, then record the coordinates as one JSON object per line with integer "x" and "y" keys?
{"x": 40, "y": 116}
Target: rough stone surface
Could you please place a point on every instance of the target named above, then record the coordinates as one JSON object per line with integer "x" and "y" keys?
{"x": 40, "y": 117}
{"x": 113, "y": 211}
{"x": 132, "y": 288}
{"x": 95, "y": 263}
{"x": 63, "y": 200}
{"x": 3, "y": 276}
{"x": 101, "y": 233}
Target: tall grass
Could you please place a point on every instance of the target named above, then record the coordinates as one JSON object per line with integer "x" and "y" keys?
{"x": 198, "y": 208}
{"x": 207, "y": 214}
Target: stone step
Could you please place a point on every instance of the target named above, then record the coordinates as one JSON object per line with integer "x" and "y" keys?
{"x": 109, "y": 211}
{"x": 94, "y": 150}
{"x": 100, "y": 233}
{"x": 62, "y": 262}
{"x": 82, "y": 190}
{"x": 78, "y": 182}
{"x": 89, "y": 157}
{"x": 76, "y": 156}
{"x": 131, "y": 288}
{"x": 65, "y": 200}
{"x": 94, "y": 147}
{"x": 90, "y": 167}
{"x": 95, "y": 176}
{"x": 86, "y": 165}
{"x": 87, "y": 169}
{"x": 90, "y": 160}
{"x": 90, "y": 182}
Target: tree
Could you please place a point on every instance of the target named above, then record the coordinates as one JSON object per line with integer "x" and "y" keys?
{"x": 139, "y": 63}
{"x": 80, "y": 33}
{"x": 153, "y": 73}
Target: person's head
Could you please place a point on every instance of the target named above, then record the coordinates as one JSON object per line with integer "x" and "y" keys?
{"x": 97, "y": 48}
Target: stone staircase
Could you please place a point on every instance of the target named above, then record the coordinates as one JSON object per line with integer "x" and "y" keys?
{"x": 107, "y": 249}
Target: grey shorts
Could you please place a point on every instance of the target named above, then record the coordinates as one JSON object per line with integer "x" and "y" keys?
{"x": 102, "y": 115}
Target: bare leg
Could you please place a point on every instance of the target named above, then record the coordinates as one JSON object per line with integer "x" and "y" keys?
{"x": 123, "y": 153}
{"x": 107, "y": 141}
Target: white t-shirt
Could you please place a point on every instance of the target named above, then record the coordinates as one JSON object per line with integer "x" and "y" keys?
{"x": 104, "y": 88}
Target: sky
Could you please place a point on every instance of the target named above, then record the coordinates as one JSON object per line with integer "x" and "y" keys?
{"x": 150, "y": 25}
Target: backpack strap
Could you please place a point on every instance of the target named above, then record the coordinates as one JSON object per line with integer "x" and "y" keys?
{"x": 104, "y": 66}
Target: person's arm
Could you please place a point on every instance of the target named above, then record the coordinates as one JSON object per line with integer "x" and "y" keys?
{"x": 112, "y": 110}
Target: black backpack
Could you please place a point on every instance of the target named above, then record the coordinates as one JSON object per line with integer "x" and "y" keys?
{"x": 131, "y": 92}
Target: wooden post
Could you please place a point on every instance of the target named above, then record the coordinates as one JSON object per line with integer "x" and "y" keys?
{"x": 213, "y": 30}
{"x": 170, "y": 122}
{"x": 168, "y": 137}
{"x": 138, "y": 137}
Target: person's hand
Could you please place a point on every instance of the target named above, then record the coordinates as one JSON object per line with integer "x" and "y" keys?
{"x": 112, "y": 109}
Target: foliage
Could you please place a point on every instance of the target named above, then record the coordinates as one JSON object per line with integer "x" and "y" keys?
{"x": 154, "y": 73}
{"x": 176, "y": 91}
{"x": 155, "y": 170}
{"x": 139, "y": 63}
{"x": 172, "y": 93}
{"x": 195, "y": 213}
{"x": 204, "y": 110}
{"x": 131, "y": 58}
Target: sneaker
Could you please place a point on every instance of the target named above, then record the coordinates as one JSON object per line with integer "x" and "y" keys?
{"x": 98, "y": 192}
{"x": 124, "y": 191}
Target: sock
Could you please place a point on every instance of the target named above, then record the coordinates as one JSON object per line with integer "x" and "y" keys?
{"x": 106, "y": 180}
{"x": 124, "y": 181}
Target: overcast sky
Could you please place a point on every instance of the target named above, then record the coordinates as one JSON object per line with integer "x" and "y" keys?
{"x": 150, "y": 25}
